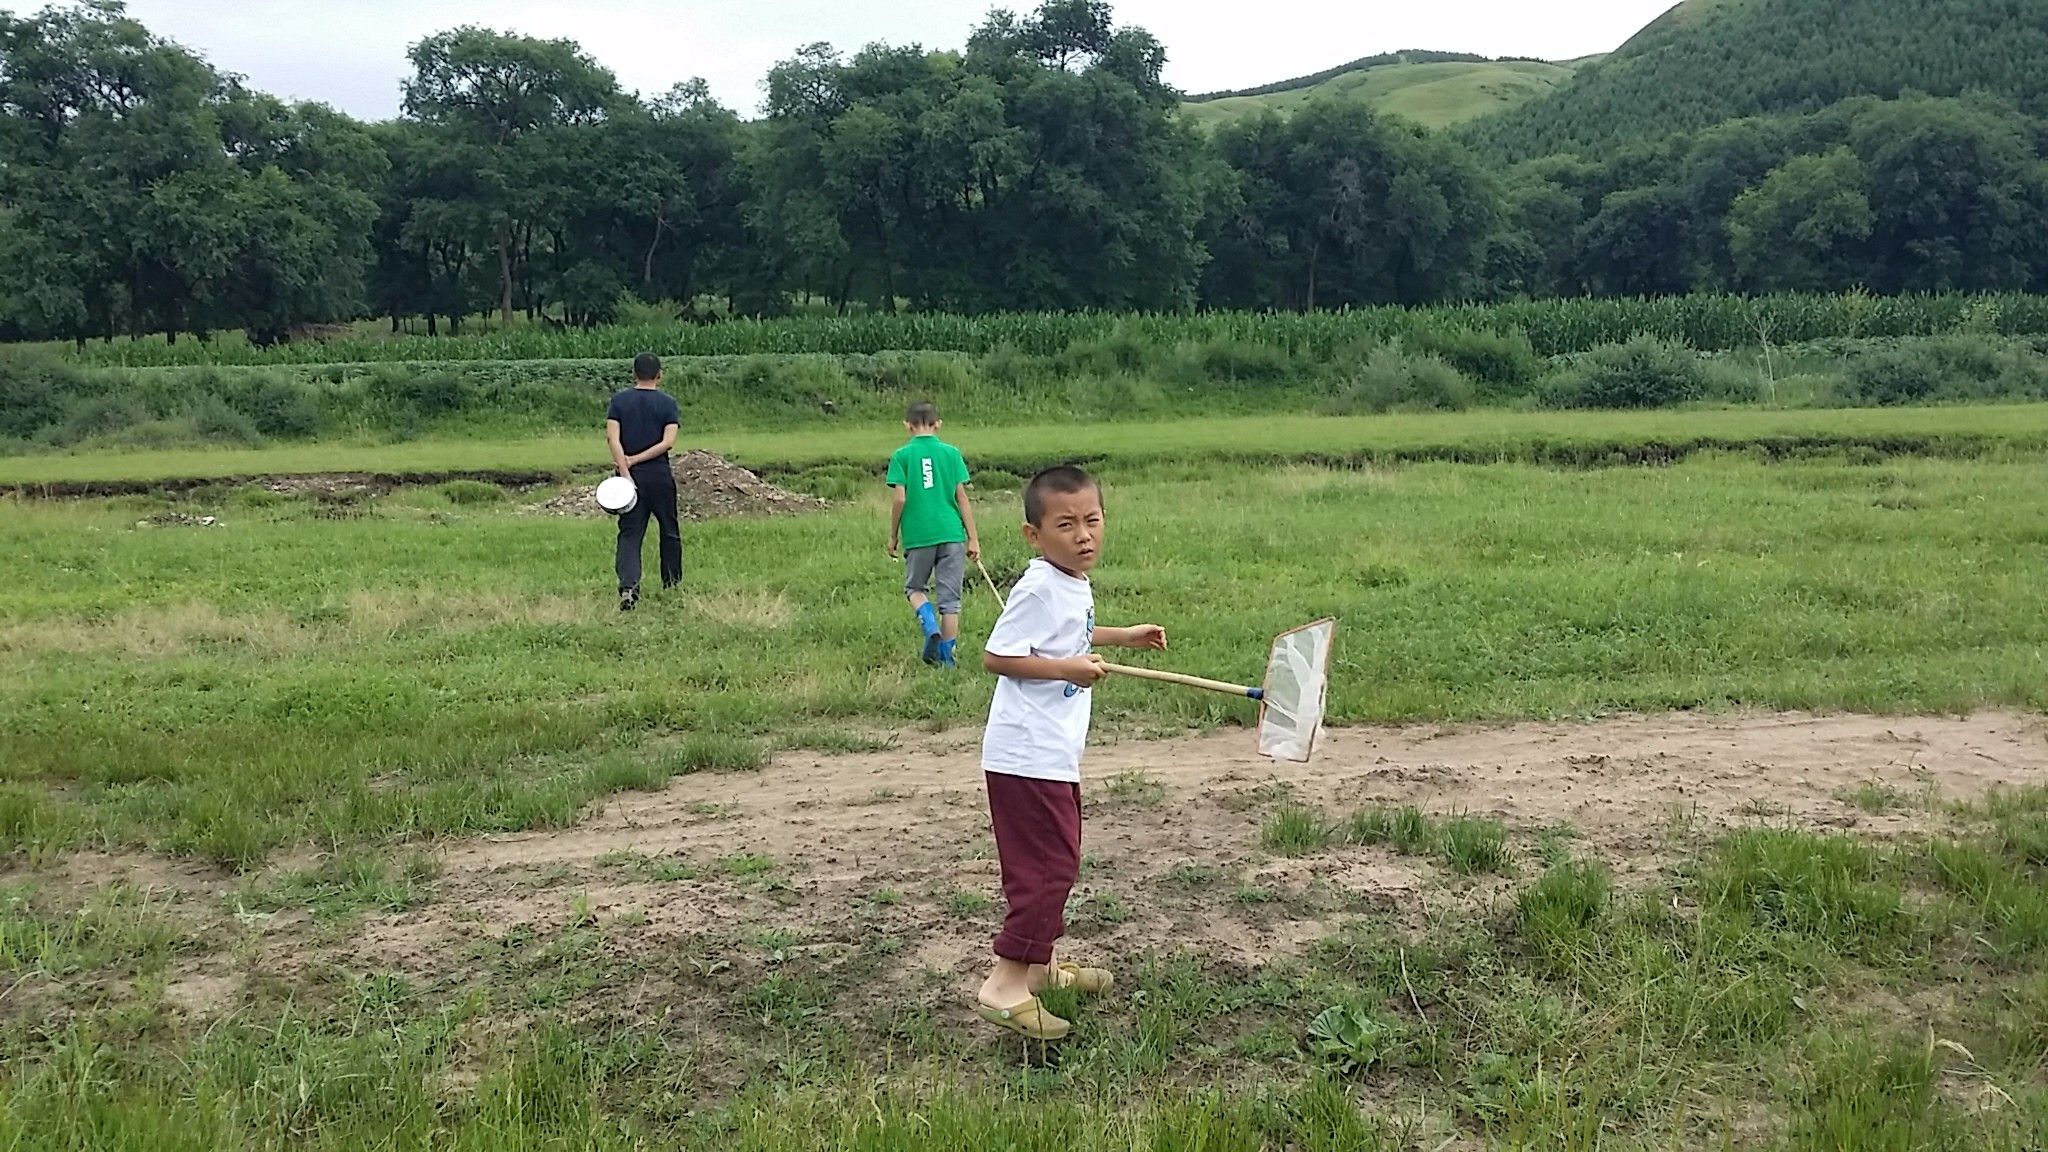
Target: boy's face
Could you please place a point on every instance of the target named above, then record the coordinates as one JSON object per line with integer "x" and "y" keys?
{"x": 1070, "y": 533}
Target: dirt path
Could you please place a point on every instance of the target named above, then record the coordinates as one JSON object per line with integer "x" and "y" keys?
{"x": 1617, "y": 784}
{"x": 911, "y": 821}
{"x": 836, "y": 853}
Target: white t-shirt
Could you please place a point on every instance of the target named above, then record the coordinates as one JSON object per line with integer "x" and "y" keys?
{"x": 1036, "y": 727}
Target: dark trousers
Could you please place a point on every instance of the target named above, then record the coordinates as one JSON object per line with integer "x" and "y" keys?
{"x": 1038, "y": 845}
{"x": 657, "y": 490}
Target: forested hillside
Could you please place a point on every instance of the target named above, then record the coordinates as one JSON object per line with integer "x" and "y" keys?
{"x": 1043, "y": 166}
{"x": 1707, "y": 61}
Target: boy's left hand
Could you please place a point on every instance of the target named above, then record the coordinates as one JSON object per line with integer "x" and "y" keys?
{"x": 1148, "y": 636}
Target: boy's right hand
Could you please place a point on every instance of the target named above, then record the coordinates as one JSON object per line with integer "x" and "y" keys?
{"x": 1084, "y": 671}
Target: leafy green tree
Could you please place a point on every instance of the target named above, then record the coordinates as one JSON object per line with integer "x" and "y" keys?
{"x": 1958, "y": 196}
{"x": 305, "y": 204}
{"x": 1544, "y": 205}
{"x": 679, "y": 190}
{"x": 1045, "y": 167}
{"x": 1335, "y": 206}
{"x": 1803, "y": 229}
{"x": 145, "y": 193}
{"x": 1640, "y": 243}
{"x": 106, "y": 133}
{"x": 1719, "y": 165}
{"x": 508, "y": 100}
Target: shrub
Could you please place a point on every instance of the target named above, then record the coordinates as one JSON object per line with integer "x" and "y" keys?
{"x": 1112, "y": 397}
{"x": 632, "y": 310}
{"x": 212, "y": 420}
{"x": 1121, "y": 352}
{"x": 97, "y": 417}
{"x": 1388, "y": 381}
{"x": 1643, "y": 373}
{"x": 279, "y": 407}
{"x": 1011, "y": 368}
{"x": 1891, "y": 376}
{"x": 1956, "y": 368}
{"x": 155, "y": 434}
{"x": 932, "y": 375}
{"x": 33, "y": 392}
{"x": 400, "y": 387}
{"x": 1730, "y": 383}
{"x": 1503, "y": 361}
{"x": 805, "y": 382}
{"x": 1233, "y": 361}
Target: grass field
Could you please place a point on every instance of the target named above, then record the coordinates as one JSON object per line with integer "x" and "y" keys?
{"x": 1580, "y": 437}
{"x": 302, "y": 852}
{"x": 1435, "y": 95}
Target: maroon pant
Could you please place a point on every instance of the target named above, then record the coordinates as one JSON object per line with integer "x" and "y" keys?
{"x": 1038, "y": 844}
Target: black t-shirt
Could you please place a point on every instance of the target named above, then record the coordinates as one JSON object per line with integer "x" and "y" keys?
{"x": 644, "y": 414}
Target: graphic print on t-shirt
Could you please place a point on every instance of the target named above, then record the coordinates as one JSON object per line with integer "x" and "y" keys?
{"x": 1037, "y": 728}
{"x": 1089, "y": 631}
{"x": 929, "y": 472}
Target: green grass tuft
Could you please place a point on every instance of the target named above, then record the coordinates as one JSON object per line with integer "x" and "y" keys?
{"x": 1296, "y": 830}
{"x": 1472, "y": 847}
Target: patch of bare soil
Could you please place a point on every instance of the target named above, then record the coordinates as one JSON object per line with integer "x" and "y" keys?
{"x": 708, "y": 487}
{"x": 873, "y": 876}
{"x": 880, "y": 847}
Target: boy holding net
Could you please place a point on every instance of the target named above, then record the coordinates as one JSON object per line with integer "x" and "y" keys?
{"x": 932, "y": 520}
{"x": 1031, "y": 752}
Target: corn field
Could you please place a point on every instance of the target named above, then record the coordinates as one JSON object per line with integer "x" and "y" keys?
{"x": 1554, "y": 327}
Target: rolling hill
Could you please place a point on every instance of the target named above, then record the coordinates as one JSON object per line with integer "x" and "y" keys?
{"x": 1707, "y": 61}
{"x": 1437, "y": 90}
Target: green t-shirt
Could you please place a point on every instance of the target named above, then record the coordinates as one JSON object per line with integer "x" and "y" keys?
{"x": 929, "y": 470}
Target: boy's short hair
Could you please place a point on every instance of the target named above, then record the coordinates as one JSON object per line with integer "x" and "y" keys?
{"x": 1062, "y": 480}
{"x": 647, "y": 366}
{"x": 923, "y": 414}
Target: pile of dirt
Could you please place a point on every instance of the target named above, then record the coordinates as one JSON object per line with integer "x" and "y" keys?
{"x": 708, "y": 487}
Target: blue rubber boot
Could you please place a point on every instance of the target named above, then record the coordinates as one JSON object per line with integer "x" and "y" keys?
{"x": 928, "y": 619}
{"x": 946, "y": 653}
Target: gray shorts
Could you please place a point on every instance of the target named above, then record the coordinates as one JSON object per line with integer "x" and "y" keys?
{"x": 948, "y": 562}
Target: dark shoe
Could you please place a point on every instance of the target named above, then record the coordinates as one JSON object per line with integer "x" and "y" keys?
{"x": 931, "y": 649}
{"x": 627, "y": 598}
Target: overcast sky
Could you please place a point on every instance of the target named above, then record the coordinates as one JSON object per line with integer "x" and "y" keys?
{"x": 351, "y": 53}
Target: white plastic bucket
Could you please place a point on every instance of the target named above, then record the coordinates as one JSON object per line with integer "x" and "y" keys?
{"x": 617, "y": 495}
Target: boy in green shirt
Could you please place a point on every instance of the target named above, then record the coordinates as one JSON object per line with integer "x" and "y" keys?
{"x": 933, "y": 522}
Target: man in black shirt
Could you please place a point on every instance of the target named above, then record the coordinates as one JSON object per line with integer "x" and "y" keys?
{"x": 641, "y": 428}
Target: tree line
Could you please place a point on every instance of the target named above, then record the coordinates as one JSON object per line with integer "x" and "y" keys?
{"x": 1042, "y": 167}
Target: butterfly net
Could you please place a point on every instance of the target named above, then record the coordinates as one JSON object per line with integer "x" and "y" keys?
{"x": 1297, "y": 676}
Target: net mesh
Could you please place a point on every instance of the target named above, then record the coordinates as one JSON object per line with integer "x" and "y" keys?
{"x": 1297, "y": 678}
